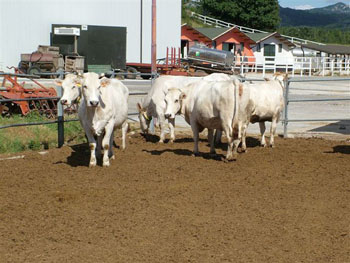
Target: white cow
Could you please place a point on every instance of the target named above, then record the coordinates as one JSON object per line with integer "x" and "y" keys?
{"x": 153, "y": 105}
{"x": 103, "y": 108}
{"x": 268, "y": 102}
{"x": 71, "y": 89}
{"x": 222, "y": 105}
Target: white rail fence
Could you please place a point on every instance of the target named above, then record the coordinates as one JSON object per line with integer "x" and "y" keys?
{"x": 296, "y": 66}
{"x": 219, "y": 23}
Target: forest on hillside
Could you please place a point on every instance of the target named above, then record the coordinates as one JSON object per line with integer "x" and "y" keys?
{"x": 267, "y": 16}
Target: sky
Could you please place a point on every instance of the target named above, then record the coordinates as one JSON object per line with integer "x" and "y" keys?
{"x": 308, "y": 4}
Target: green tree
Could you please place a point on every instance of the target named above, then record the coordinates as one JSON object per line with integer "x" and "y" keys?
{"x": 259, "y": 14}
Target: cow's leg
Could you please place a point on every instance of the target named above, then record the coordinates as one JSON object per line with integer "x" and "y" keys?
{"x": 92, "y": 145}
{"x": 228, "y": 131}
{"x": 195, "y": 131}
{"x": 125, "y": 127}
{"x": 236, "y": 138}
{"x": 273, "y": 132}
{"x": 106, "y": 142}
{"x": 244, "y": 135}
{"x": 262, "y": 132}
{"x": 161, "y": 120}
{"x": 172, "y": 129}
{"x": 110, "y": 149}
{"x": 99, "y": 146}
{"x": 218, "y": 135}
{"x": 211, "y": 141}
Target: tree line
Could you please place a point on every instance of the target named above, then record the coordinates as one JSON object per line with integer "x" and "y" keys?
{"x": 265, "y": 15}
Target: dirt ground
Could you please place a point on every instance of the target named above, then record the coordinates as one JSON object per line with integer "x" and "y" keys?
{"x": 157, "y": 203}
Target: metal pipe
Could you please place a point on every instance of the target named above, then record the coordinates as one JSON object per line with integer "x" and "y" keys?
{"x": 141, "y": 20}
{"x": 60, "y": 117}
{"x": 30, "y": 99}
{"x": 311, "y": 100}
{"x": 154, "y": 38}
{"x": 311, "y": 120}
{"x": 286, "y": 101}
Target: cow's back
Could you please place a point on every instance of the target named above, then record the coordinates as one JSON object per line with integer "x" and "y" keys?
{"x": 267, "y": 98}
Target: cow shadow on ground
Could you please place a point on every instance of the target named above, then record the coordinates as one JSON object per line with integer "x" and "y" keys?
{"x": 186, "y": 152}
{"x": 344, "y": 149}
{"x": 80, "y": 155}
{"x": 251, "y": 143}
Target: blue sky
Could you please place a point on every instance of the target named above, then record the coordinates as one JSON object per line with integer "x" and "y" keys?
{"x": 307, "y": 4}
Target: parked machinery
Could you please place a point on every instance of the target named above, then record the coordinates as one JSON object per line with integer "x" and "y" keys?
{"x": 48, "y": 59}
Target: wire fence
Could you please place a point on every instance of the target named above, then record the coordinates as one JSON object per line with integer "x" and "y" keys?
{"x": 60, "y": 111}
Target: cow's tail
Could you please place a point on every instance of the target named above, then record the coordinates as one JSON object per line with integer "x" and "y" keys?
{"x": 236, "y": 83}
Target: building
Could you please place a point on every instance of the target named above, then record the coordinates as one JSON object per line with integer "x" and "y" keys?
{"x": 26, "y": 24}
{"x": 272, "y": 47}
{"x": 228, "y": 39}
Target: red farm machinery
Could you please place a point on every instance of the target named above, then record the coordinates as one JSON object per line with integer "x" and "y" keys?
{"x": 21, "y": 97}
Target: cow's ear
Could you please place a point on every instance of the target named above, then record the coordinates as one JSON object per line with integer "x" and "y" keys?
{"x": 139, "y": 108}
{"x": 105, "y": 82}
{"x": 182, "y": 96}
{"x": 78, "y": 81}
{"x": 58, "y": 82}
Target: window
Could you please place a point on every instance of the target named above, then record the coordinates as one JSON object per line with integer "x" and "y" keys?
{"x": 229, "y": 47}
{"x": 258, "y": 47}
{"x": 269, "y": 50}
{"x": 279, "y": 48}
{"x": 242, "y": 46}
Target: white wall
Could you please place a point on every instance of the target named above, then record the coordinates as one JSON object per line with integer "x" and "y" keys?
{"x": 281, "y": 58}
{"x": 25, "y": 24}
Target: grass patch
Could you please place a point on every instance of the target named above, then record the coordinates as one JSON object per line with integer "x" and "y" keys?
{"x": 39, "y": 137}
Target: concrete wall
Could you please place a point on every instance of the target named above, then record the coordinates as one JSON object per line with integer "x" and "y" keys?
{"x": 25, "y": 24}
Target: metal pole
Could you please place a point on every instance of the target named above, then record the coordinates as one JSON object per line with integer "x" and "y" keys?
{"x": 286, "y": 101}
{"x": 153, "y": 50}
{"x": 154, "y": 38}
{"x": 141, "y": 20}
{"x": 60, "y": 117}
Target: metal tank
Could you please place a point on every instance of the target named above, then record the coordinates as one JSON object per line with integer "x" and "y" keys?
{"x": 213, "y": 56}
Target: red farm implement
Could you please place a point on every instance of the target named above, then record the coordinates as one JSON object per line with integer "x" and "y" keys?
{"x": 23, "y": 98}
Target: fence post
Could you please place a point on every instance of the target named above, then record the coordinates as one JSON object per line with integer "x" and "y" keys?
{"x": 152, "y": 128}
{"x": 286, "y": 101}
{"x": 60, "y": 117}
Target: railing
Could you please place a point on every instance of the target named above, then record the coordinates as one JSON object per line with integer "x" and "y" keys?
{"x": 219, "y": 23}
{"x": 287, "y": 100}
{"x": 60, "y": 112}
{"x": 303, "y": 66}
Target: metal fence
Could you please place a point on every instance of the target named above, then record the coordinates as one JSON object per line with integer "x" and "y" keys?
{"x": 60, "y": 112}
{"x": 287, "y": 100}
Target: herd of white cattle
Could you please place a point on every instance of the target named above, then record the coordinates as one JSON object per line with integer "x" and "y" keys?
{"x": 217, "y": 102}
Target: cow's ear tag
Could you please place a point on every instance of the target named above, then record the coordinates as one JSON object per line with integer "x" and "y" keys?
{"x": 78, "y": 85}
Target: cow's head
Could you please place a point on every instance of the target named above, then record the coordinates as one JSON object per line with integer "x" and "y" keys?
{"x": 281, "y": 78}
{"x": 71, "y": 89}
{"x": 145, "y": 120}
{"x": 91, "y": 89}
{"x": 173, "y": 101}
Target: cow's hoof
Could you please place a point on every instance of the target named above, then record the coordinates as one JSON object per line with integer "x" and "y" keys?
{"x": 112, "y": 157}
{"x": 195, "y": 154}
{"x": 106, "y": 164}
{"x": 230, "y": 158}
{"x": 161, "y": 141}
{"x": 272, "y": 146}
{"x": 244, "y": 150}
{"x": 171, "y": 141}
{"x": 263, "y": 145}
{"x": 212, "y": 154}
{"x": 92, "y": 164}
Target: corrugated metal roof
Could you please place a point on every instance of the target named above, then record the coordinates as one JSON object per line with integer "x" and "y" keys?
{"x": 329, "y": 49}
{"x": 257, "y": 36}
{"x": 212, "y": 33}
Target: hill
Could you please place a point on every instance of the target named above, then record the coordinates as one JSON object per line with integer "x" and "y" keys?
{"x": 333, "y": 16}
